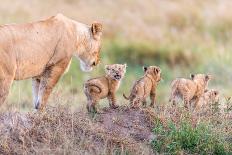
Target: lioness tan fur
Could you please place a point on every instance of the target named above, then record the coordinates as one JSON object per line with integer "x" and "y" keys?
{"x": 189, "y": 89}
{"x": 145, "y": 86}
{"x": 209, "y": 97}
{"x": 42, "y": 51}
{"x": 105, "y": 86}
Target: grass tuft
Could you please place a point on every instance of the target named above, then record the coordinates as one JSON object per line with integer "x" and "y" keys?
{"x": 190, "y": 133}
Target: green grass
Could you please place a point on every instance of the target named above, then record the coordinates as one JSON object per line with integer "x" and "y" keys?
{"x": 175, "y": 139}
{"x": 144, "y": 53}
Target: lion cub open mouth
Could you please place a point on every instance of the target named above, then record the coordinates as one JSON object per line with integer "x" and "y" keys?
{"x": 104, "y": 86}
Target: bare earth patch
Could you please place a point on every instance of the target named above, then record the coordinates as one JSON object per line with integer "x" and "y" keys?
{"x": 62, "y": 131}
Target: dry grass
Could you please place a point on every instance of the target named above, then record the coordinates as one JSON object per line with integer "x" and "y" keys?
{"x": 60, "y": 131}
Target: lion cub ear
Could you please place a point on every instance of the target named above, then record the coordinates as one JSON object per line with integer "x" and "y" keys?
{"x": 107, "y": 67}
{"x": 157, "y": 70}
{"x": 125, "y": 66}
{"x": 144, "y": 68}
{"x": 96, "y": 29}
{"x": 208, "y": 77}
{"x": 192, "y": 76}
{"x": 216, "y": 92}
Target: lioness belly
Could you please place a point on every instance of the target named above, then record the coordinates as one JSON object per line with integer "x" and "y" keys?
{"x": 28, "y": 69}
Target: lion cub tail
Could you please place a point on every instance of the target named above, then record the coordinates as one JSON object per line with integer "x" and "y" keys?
{"x": 127, "y": 98}
{"x": 92, "y": 88}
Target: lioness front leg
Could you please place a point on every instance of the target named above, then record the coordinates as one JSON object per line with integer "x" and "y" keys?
{"x": 35, "y": 89}
{"x": 48, "y": 80}
{"x": 112, "y": 100}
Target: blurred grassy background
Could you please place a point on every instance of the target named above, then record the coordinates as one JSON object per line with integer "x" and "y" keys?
{"x": 180, "y": 36}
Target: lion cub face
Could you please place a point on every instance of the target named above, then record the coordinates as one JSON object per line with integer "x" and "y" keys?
{"x": 211, "y": 96}
{"x": 201, "y": 79}
{"x": 104, "y": 86}
{"x": 115, "y": 71}
{"x": 154, "y": 71}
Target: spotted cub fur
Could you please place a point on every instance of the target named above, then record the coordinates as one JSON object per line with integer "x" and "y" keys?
{"x": 209, "y": 97}
{"x": 145, "y": 86}
{"x": 105, "y": 86}
{"x": 189, "y": 89}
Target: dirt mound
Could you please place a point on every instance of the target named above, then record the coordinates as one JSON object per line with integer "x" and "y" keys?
{"x": 125, "y": 122}
{"x": 62, "y": 131}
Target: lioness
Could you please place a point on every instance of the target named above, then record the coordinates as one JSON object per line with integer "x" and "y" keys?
{"x": 105, "y": 86}
{"x": 145, "y": 86}
{"x": 189, "y": 89}
{"x": 42, "y": 51}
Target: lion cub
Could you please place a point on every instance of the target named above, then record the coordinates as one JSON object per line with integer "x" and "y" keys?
{"x": 209, "y": 97}
{"x": 189, "y": 89}
{"x": 105, "y": 86}
{"x": 145, "y": 86}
